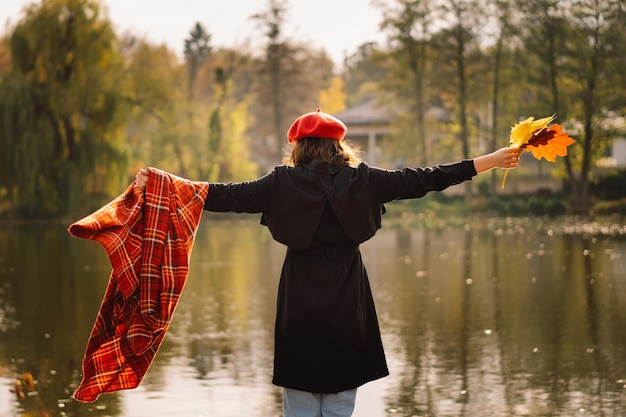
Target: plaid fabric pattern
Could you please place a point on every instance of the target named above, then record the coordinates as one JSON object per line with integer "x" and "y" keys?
{"x": 148, "y": 240}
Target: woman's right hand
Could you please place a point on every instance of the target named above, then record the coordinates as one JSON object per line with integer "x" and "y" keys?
{"x": 141, "y": 179}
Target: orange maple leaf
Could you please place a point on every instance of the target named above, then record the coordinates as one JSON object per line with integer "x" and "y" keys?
{"x": 549, "y": 143}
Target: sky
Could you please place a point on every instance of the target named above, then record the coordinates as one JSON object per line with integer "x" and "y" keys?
{"x": 338, "y": 26}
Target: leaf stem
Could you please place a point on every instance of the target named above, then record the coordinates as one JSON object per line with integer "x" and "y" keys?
{"x": 504, "y": 179}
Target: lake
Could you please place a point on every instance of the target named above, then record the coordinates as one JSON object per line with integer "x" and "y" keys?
{"x": 490, "y": 317}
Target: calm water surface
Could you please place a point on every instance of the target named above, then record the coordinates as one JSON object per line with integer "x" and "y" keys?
{"x": 494, "y": 318}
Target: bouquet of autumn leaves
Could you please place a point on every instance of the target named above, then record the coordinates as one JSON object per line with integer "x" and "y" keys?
{"x": 542, "y": 140}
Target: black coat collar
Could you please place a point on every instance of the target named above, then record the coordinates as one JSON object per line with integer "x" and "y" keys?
{"x": 323, "y": 167}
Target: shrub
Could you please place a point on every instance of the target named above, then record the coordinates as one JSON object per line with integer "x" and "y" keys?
{"x": 610, "y": 207}
{"x": 611, "y": 185}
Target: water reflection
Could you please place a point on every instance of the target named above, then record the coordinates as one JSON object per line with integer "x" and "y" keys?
{"x": 510, "y": 318}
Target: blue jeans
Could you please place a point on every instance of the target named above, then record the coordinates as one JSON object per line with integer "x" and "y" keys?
{"x": 308, "y": 404}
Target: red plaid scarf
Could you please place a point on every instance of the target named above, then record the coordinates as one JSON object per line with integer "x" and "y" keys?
{"x": 148, "y": 241}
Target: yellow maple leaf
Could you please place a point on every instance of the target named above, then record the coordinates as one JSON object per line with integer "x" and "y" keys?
{"x": 523, "y": 132}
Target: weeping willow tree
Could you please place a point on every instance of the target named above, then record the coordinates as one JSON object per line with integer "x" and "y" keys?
{"x": 60, "y": 102}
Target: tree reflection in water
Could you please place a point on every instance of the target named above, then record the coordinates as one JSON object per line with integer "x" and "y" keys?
{"x": 507, "y": 317}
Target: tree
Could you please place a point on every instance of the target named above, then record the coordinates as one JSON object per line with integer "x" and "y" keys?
{"x": 276, "y": 51}
{"x": 459, "y": 50}
{"x": 364, "y": 71}
{"x": 5, "y": 56}
{"x": 333, "y": 99}
{"x": 544, "y": 32}
{"x": 60, "y": 109}
{"x": 197, "y": 50}
{"x": 156, "y": 93}
{"x": 221, "y": 149}
{"x": 589, "y": 51}
{"x": 408, "y": 26}
{"x": 288, "y": 80}
{"x": 503, "y": 15}
{"x": 578, "y": 56}
{"x": 217, "y": 167}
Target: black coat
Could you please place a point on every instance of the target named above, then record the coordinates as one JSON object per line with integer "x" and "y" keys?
{"x": 327, "y": 337}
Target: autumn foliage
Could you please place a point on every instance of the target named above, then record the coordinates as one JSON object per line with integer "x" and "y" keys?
{"x": 542, "y": 140}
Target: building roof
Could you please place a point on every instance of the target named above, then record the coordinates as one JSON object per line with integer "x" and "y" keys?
{"x": 369, "y": 112}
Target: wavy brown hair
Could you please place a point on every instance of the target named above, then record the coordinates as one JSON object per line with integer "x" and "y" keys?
{"x": 308, "y": 149}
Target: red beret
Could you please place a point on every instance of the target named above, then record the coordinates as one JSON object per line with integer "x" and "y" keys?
{"x": 316, "y": 124}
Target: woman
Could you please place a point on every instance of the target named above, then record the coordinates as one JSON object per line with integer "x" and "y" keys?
{"x": 322, "y": 203}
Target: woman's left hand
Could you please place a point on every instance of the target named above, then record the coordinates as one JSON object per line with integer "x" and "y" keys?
{"x": 141, "y": 179}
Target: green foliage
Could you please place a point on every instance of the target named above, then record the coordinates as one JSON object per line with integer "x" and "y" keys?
{"x": 610, "y": 207}
{"x": 233, "y": 158}
{"x": 364, "y": 71}
{"x": 541, "y": 204}
{"x": 438, "y": 205}
{"x": 192, "y": 138}
{"x": 611, "y": 185}
{"x": 158, "y": 122}
{"x": 533, "y": 205}
{"x": 60, "y": 109}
